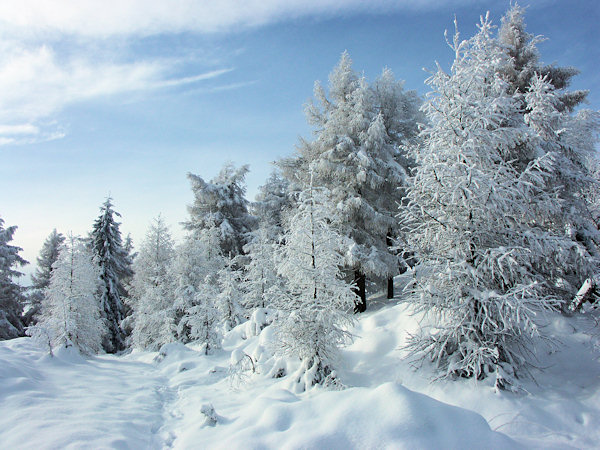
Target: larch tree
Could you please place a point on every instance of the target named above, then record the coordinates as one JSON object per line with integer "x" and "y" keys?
{"x": 70, "y": 314}
{"x": 41, "y": 278}
{"x": 315, "y": 301}
{"x": 470, "y": 220}
{"x": 115, "y": 265}
{"x": 152, "y": 289}
{"x": 11, "y": 293}
{"x": 355, "y": 155}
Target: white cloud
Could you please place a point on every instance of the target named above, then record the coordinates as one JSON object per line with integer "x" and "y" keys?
{"x": 60, "y": 52}
{"x": 145, "y": 17}
{"x": 36, "y": 83}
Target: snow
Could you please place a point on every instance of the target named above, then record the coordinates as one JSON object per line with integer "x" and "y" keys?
{"x": 180, "y": 398}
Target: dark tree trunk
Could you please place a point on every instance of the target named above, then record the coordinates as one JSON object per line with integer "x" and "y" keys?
{"x": 360, "y": 290}
{"x": 390, "y": 282}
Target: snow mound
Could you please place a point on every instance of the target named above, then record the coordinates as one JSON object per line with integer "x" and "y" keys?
{"x": 389, "y": 416}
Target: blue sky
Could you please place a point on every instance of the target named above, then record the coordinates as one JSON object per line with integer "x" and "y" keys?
{"x": 126, "y": 99}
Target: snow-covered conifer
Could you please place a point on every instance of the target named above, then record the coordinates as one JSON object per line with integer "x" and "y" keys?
{"x": 152, "y": 290}
{"x": 107, "y": 248}
{"x": 355, "y": 156}
{"x": 11, "y": 293}
{"x": 260, "y": 274}
{"x": 470, "y": 220}
{"x": 197, "y": 262}
{"x": 70, "y": 314}
{"x": 568, "y": 141}
{"x": 221, "y": 203}
{"x": 523, "y": 62}
{"x": 272, "y": 200}
{"x": 317, "y": 301}
{"x": 230, "y": 295}
{"x": 41, "y": 278}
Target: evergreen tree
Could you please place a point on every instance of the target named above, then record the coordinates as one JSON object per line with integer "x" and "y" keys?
{"x": 11, "y": 294}
{"x": 194, "y": 271}
{"x": 355, "y": 156}
{"x": 107, "y": 247}
{"x": 230, "y": 296}
{"x": 221, "y": 204}
{"x": 260, "y": 274}
{"x": 41, "y": 278}
{"x": 523, "y": 64}
{"x": 568, "y": 140}
{"x": 272, "y": 200}
{"x": 152, "y": 298}
{"x": 472, "y": 223}
{"x": 70, "y": 313}
{"x": 316, "y": 301}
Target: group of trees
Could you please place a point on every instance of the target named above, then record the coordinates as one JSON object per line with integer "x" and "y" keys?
{"x": 490, "y": 185}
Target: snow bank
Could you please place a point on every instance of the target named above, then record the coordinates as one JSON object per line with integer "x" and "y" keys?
{"x": 389, "y": 416}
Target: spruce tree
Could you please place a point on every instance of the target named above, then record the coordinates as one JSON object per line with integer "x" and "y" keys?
{"x": 152, "y": 298}
{"x": 70, "y": 314}
{"x": 41, "y": 278}
{"x": 568, "y": 141}
{"x": 11, "y": 293}
{"x": 221, "y": 204}
{"x": 107, "y": 247}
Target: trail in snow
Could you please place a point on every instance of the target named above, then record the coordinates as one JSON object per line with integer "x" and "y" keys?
{"x": 67, "y": 401}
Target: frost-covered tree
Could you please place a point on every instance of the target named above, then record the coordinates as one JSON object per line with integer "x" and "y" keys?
{"x": 260, "y": 274}
{"x": 203, "y": 319}
{"x": 355, "y": 155}
{"x": 568, "y": 139}
{"x": 230, "y": 295}
{"x": 197, "y": 262}
{"x": 523, "y": 62}
{"x": 472, "y": 223}
{"x": 152, "y": 298}
{"x": 107, "y": 248}
{"x": 272, "y": 200}
{"x": 317, "y": 301}
{"x": 11, "y": 293}
{"x": 221, "y": 204}
{"x": 70, "y": 314}
{"x": 41, "y": 278}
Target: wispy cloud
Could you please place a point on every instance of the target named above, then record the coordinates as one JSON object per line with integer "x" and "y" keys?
{"x": 147, "y": 17}
{"x": 57, "y": 53}
{"x": 37, "y": 83}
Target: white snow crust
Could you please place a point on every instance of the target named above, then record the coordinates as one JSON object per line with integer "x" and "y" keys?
{"x": 180, "y": 398}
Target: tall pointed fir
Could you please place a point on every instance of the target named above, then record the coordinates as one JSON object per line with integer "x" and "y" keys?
{"x": 355, "y": 156}
{"x": 316, "y": 301}
{"x": 197, "y": 262}
{"x": 568, "y": 140}
{"x": 41, "y": 278}
{"x": 11, "y": 293}
{"x": 151, "y": 293}
{"x": 472, "y": 224}
{"x": 70, "y": 314}
{"x": 107, "y": 247}
{"x": 221, "y": 204}
{"x": 260, "y": 273}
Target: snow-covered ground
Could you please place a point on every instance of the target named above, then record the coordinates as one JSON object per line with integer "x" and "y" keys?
{"x": 156, "y": 400}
